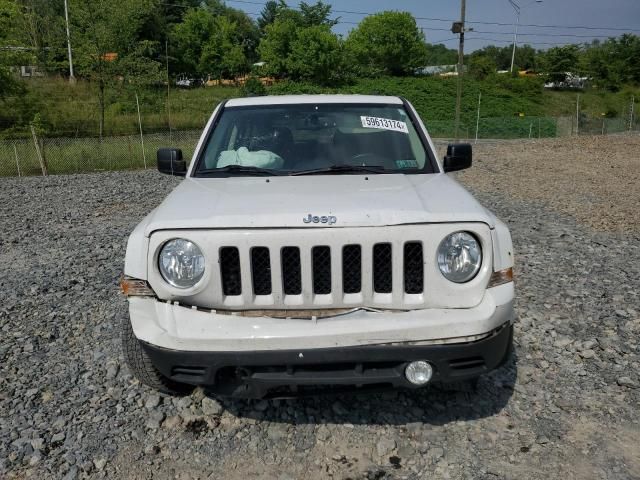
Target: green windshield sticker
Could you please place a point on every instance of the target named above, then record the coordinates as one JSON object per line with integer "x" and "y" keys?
{"x": 406, "y": 164}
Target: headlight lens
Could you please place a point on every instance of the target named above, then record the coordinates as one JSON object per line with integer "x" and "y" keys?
{"x": 459, "y": 257}
{"x": 181, "y": 263}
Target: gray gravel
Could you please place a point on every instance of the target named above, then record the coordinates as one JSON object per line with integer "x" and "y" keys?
{"x": 69, "y": 408}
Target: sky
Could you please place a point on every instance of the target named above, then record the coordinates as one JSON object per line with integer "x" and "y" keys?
{"x": 602, "y": 16}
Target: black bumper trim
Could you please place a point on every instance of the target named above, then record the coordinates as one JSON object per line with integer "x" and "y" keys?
{"x": 257, "y": 374}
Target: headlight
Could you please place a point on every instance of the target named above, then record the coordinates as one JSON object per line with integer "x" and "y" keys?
{"x": 459, "y": 257}
{"x": 181, "y": 263}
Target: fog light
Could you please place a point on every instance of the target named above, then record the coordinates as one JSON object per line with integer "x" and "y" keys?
{"x": 419, "y": 372}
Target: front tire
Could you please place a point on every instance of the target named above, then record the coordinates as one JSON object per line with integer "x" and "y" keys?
{"x": 143, "y": 368}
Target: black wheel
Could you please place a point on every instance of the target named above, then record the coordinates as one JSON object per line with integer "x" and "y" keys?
{"x": 141, "y": 366}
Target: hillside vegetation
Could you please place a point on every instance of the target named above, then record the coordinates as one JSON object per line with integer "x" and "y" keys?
{"x": 64, "y": 110}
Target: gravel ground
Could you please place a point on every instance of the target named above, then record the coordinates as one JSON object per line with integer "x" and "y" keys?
{"x": 69, "y": 408}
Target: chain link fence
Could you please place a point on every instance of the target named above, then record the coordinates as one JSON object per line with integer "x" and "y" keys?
{"x": 38, "y": 154}
{"x": 43, "y": 155}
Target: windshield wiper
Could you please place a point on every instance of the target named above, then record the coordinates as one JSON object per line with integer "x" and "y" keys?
{"x": 239, "y": 169}
{"x": 342, "y": 169}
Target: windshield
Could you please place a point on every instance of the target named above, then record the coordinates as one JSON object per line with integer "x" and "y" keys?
{"x": 313, "y": 138}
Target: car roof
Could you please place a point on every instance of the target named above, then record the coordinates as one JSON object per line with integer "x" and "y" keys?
{"x": 302, "y": 99}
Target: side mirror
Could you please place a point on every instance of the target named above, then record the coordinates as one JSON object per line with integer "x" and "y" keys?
{"x": 170, "y": 162}
{"x": 458, "y": 157}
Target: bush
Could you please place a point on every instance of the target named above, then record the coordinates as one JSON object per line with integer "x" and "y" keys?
{"x": 253, "y": 87}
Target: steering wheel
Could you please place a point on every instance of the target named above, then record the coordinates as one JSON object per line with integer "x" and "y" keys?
{"x": 364, "y": 159}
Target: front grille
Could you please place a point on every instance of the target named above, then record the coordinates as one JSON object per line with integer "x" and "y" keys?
{"x": 413, "y": 268}
{"x": 351, "y": 269}
{"x": 321, "y": 275}
{"x": 321, "y": 270}
{"x": 291, "y": 276}
{"x": 382, "y": 268}
{"x": 261, "y": 270}
{"x": 230, "y": 271}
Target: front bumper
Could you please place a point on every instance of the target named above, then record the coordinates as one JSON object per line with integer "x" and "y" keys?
{"x": 260, "y": 374}
{"x": 177, "y": 327}
{"x": 258, "y": 356}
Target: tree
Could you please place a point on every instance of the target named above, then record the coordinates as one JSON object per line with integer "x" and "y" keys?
{"x": 316, "y": 56}
{"x": 208, "y": 45}
{"x": 270, "y": 13}
{"x": 10, "y": 55}
{"x": 388, "y": 43}
{"x": 165, "y": 16}
{"x": 316, "y": 14}
{"x": 245, "y": 33}
{"x": 275, "y": 46}
{"x": 441, "y": 55}
{"x": 614, "y": 62}
{"x": 41, "y": 27}
{"x": 559, "y": 61}
{"x": 526, "y": 56}
{"x": 481, "y": 67}
{"x": 108, "y": 46}
{"x": 300, "y": 44}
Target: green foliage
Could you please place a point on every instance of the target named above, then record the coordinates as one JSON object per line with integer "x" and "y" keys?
{"x": 73, "y": 110}
{"x": 245, "y": 33}
{"x": 316, "y": 14}
{"x": 316, "y": 56}
{"x": 275, "y": 46}
{"x": 614, "y": 62}
{"x": 109, "y": 49}
{"x": 253, "y": 87}
{"x": 435, "y": 97}
{"x": 269, "y": 13}
{"x": 558, "y": 61}
{"x": 207, "y": 45}
{"x": 300, "y": 44}
{"x": 440, "y": 55}
{"x": 388, "y": 43}
{"x": 526, "y": 56}
{"x": 9, "y": 15}
{"x": 481, "y": 67}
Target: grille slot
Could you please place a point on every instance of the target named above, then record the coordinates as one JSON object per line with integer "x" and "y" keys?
{"x": 467, "y": 363}
{"x": 261, "y": 270}
{"x": 413, "y": 268}
{"x": 321, "y": 270}
{"x": 188, "y": 371}
{"x": 352, "y": 269}
{"x": 291, "y": 276}
{"x": 230, "y": 271}
{"x": 382, "y": 268}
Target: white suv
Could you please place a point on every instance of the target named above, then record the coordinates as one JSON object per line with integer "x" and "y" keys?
{"x": 316, "y": 242}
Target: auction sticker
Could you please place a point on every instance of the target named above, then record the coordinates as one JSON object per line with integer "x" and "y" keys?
{"x": 384, "y": 124}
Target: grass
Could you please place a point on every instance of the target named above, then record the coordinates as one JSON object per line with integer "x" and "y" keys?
{"x": 68, "y": 116}
{"x": 73, "y": 110}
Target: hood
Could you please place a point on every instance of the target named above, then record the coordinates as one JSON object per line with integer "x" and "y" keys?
{"x": 354, "y": 201}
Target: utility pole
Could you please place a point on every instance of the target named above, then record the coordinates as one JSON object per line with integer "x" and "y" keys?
{"x": 72, "y": 78}
{"x": 517, "y": 9}
{"x": 515, "y": 35}
{"x": 632, "y": 112}
{"x": 458, "y": 27}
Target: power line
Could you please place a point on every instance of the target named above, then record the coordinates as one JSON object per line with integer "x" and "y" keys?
{"x": 544, "y": 34}
{"x": 477, "y": 22}
{"x": 511, "y": 41}
{"x": 448, "y": 20}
